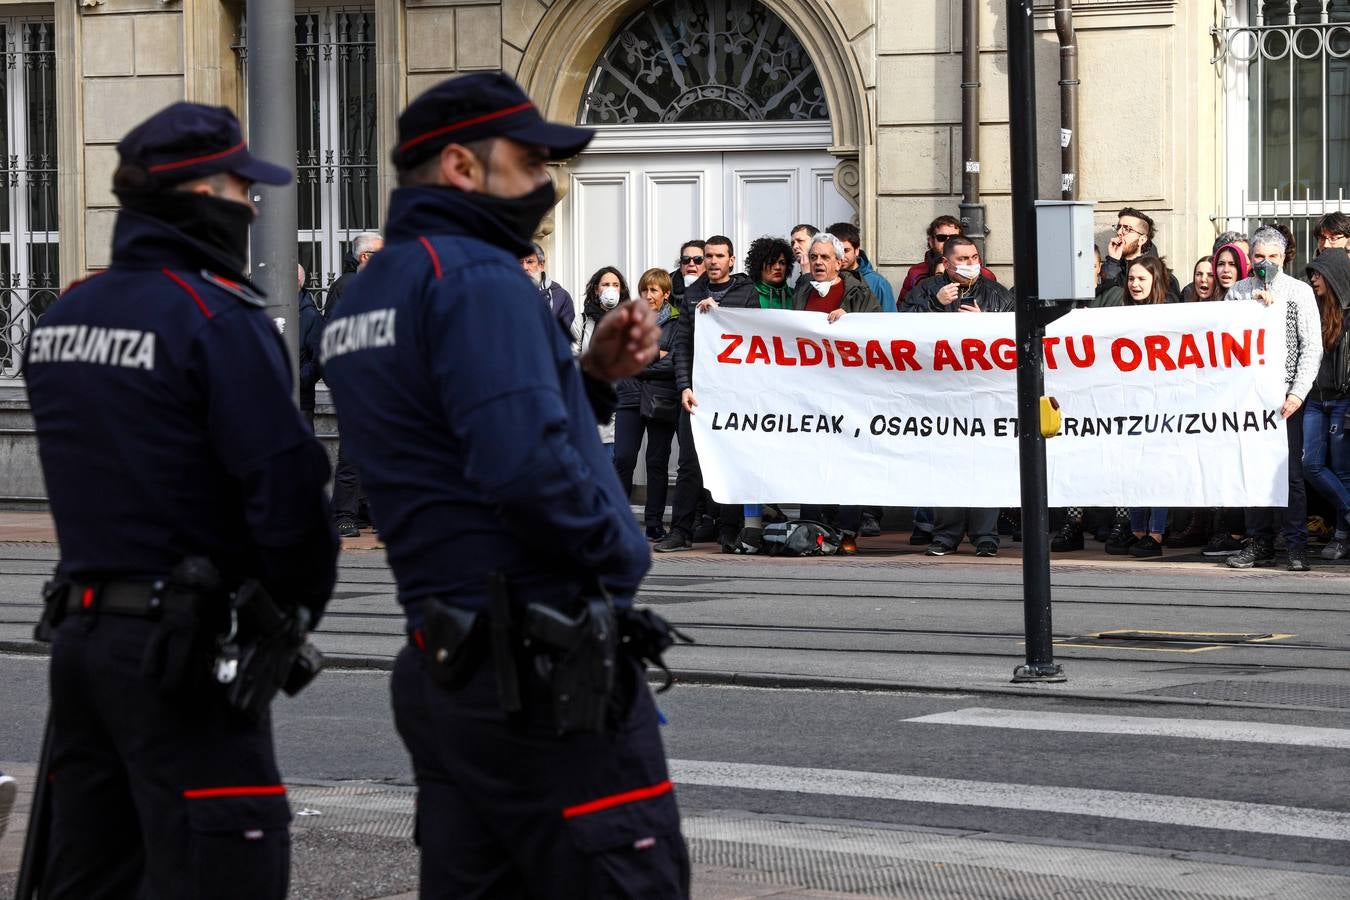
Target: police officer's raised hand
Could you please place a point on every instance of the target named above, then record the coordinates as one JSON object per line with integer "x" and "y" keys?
{"x": 625, "y": 343}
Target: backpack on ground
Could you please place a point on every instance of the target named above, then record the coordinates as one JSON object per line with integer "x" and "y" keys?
{"x": 801, "y": 537}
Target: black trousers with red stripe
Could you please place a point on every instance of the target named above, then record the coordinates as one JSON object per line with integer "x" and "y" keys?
{"x": 154, "y": 797}
{"x": 509, "y": 809}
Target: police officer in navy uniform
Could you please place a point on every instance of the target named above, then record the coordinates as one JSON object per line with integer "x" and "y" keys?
{"x": 470, "y": 424}
{"x": 177, "y": 466}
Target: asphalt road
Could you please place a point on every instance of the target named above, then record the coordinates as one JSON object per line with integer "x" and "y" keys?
{"x": 1138, "y": 778}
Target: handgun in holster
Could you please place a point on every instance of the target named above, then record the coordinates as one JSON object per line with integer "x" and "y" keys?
{"x": 265, "y": 651}
{"x": 576, "y": 659}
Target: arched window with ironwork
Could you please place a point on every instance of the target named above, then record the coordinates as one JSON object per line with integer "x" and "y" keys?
{"x": 703, "y": 61}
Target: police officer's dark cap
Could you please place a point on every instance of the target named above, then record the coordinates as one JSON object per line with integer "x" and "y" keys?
{"x": 474, "y": 107}
{"x": 189, "y": 140}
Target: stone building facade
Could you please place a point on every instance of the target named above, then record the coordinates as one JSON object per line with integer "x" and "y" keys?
{"x": 1185, "y": 111}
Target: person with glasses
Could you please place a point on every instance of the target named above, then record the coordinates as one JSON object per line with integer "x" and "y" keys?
{"x": 1333, "y": 230}
{"x": 1133, "y": 238}
{"x": 939, "y": 230}
{"x": 689, "y": 267}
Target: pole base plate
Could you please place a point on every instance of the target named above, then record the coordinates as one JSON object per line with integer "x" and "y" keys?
{"x": 1041, "y": 673}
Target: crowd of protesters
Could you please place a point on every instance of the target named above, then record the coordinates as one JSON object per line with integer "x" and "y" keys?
{"x": 827, "y": 271}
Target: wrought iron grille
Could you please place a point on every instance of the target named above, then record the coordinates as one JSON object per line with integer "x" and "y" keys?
{"x": 703, "y": 61}
{"x": 1290, "y": 61}
{"x": 29, "y": 248}
{"x": 336, "y": 153}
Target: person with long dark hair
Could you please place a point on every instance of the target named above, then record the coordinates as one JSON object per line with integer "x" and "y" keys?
{"x": 1230, "y": 267}
{"x": 1202, "y": 286}
{"x": 605, "y": 290}
{"x": 1326, "y": 453}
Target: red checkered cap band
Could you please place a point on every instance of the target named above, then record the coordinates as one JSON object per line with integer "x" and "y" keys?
{"x": 463, "y": 123}
{"x": 196, "y": 160}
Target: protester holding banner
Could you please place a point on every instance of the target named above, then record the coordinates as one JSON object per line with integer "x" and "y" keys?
{"x": 1326, "y": 455}
{"x": 1230, "y": 267}
{"x": 719, "y": 284}
{"x": 1303, "y": 356}
{"x": 960, "y": 287}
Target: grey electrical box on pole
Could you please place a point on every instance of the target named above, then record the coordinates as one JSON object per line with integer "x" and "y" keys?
{"x": 1064, "y": 263}
{"x": 270, "y": 48}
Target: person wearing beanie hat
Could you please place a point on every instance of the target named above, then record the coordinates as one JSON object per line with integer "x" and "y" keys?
{"x": 532, "y": 731}
{"x": 179, "y": 470}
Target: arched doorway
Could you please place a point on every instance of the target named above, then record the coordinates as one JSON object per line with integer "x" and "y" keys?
{"x": 712, "y": 118}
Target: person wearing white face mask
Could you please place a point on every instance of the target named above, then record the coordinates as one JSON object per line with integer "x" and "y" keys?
{"x": 827, "y": 286}
{"x": 959, "y": 288}
{"x": 605, "y": 291}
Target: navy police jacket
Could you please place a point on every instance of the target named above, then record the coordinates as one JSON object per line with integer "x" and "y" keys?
{"x": 468, "y": 420}
{"x": 162, "y": 398}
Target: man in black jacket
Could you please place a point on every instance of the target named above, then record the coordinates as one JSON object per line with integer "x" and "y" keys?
{"x": 348, "y": 498}
{"x": 960, "y": 288}
{"x": 1134, "y": 238}
{"x": 725, "y": 289}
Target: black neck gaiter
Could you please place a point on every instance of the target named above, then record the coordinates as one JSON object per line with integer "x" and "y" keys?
{"x": 220, "y": 226}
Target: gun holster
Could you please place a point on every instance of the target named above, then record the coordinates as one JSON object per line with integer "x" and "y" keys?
{"x": 451, "y": 642}
{"x": 53, "y": 610}
{"x": 575, "y": 656}
{"x": 264, "y": 652}
{"x": 646, "y": 637}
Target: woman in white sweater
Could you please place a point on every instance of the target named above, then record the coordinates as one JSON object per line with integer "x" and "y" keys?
{"x": 1303, "y": 342}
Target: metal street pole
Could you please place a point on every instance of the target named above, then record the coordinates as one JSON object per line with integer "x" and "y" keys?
{"x": 1040, "y": 664}
{"x": 270, "y": 46}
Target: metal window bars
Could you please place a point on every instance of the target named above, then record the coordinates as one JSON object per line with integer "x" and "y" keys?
{"x": 29, "y": 248}
{"x": 1290, "y": 61}
{"x": 336, "y": 152}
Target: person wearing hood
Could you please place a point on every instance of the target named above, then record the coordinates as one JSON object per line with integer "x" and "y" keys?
{"x": 657, "y": 413}
{"x": 473, "y": 426}
{"x": 1296, "y": 307}
{"x": 855, "y": 260}
{"x": 1230, "y": 267}
{"x": 719, "y": 285}
{"x": 1326, "y": 453}
{"x": 554, "y": 294}
{"x": 605, "y": 290}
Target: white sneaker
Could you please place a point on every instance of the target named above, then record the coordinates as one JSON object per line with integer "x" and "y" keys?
{"x": 8, "y": 790}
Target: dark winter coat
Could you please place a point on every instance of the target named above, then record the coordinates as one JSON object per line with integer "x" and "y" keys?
{"x": 658, "y": 379}
{"x": 339, "y": 285}
{"x": 857, "y": 296}
{"x": 1333, "y": 377}
{"x": 988, "y": 295}
{"x": 740, "y": 295}
{"x": 311, "y": 334}
{"x": 1114, "y": 271}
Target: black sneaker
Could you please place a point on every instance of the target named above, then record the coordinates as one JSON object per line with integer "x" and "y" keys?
{"x": 1069, "y": 538}
{"x": 1222, "y": 544}
{"x": 986, "y": 548}
{"x": 726, "y": 540}
{"x": 939, "y": 548}
{"x": 1297, "y": 561}
{"x": 869, "y": 526}
{"x": 920, "y": 537}
{"x": 656, "y": 533}
{"x": 8, "y": 790}
{"x": 1147, "y": 546}
{"x": 1120, "y": 541}
{"x": 673, "y": 542}
{"x": 1254, "y": 554}
{"x": 347, "y": 528}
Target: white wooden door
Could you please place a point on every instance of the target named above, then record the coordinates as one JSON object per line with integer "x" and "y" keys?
{"x": 634, "y": 210}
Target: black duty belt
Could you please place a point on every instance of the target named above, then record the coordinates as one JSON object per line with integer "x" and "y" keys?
{"x": 145, "y": 599}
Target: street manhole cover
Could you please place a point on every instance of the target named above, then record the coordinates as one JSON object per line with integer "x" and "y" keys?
{"x": 1328, "y": 696}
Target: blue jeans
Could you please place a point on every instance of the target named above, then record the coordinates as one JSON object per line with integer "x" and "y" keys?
{"x": 1152, "y": 521}
{"x": 1326, "y": 455}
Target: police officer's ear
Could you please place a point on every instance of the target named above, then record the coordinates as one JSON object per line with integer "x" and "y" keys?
{"x": 465, "y": 167}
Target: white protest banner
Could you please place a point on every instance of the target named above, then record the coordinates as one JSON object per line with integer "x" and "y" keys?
{"x": 1164, "y": 405}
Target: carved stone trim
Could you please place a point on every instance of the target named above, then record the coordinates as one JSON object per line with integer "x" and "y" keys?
{"x": 848, "y": 182}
